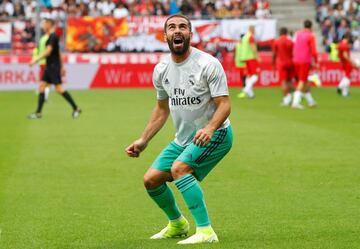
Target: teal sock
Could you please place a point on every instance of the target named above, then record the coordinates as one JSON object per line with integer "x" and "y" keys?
{"x": 164, "y": 197}
{"x": 194, "y": 199}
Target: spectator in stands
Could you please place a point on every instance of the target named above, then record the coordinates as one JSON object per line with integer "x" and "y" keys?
{"x": 19, "y": 11}
{"x": 236, "y": 10}
{"x": 4, "y": 16}
{"x": 355, "y": 26}
{"x": 343, "y": 28}
{"x": 173, "y": 8}
{"x": 159, "y": 9}
{"x": 131, "y": 8}
{"x": 106, "y": 7}
{"x": 247, "y": 7}
{"x": 29, "y": 9}
{"x": 262, "y": 8}
{"x": 93, "y": 8}
{"x": 83, "y": 9}
{"x": 209, "y": 11}
{"x": 186, "y": 8}
{"x": 356, "y": 45}
{"x": 72, "y": 10}
{"x": 144, "y": 8}
{"x": 28, "y": 35}
{"x": 8, "y": 7}
{"x": 339, "y": 11}
{"x": 222, "y": 11}
{"x": 198, "y": 10}
{"x": 121, "y": 11}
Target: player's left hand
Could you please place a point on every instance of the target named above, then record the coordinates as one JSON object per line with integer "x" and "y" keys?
{"x": 203, "y": 137}
{"x": 62, "y": 72}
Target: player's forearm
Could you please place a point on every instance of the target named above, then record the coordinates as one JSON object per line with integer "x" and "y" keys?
{"x": 157, "y": 120}
{"x": 220, "y": 115}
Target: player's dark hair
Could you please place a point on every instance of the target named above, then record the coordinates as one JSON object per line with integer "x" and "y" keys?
{"x": 177, "y": 15}
{"x": 283, "y": 31}
{"x": 307, "y": 24}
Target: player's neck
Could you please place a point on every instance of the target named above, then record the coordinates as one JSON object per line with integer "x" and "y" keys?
{"x": 181, "y": 58}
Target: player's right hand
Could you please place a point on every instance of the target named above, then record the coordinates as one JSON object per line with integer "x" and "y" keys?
{"x": 134, "y": 149}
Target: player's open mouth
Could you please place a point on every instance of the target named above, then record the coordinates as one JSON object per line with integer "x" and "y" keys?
{"x": 178, "y": 41}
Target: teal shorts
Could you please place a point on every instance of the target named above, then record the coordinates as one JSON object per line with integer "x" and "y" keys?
{"x": 201, "y": 159}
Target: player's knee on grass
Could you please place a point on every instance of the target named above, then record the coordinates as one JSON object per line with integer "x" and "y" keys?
{"x": 154, "y": 178}
{"x": 180, "y": 169}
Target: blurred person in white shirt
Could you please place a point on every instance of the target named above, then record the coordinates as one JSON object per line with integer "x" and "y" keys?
{"x": 107, "y": 6}
{"x": 29, "y": 8}
{"x": 121, "y": 11}
{"x": 7, "y": 6}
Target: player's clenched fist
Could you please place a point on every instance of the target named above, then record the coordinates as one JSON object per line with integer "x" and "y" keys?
{"x": 203, "y": 137}
{"x": 134, "y": 149}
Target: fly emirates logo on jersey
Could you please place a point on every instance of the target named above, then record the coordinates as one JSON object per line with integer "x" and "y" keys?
{"x": 180, "y": 98}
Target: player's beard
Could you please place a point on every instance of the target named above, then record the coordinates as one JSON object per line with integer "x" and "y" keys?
{"x": 183, "y": 49}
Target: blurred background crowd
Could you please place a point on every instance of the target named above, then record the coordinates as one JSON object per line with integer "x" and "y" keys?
{"x": 122, "y": 8}
{"x": 336, "y": 18}
{"x": 23, "y": 13}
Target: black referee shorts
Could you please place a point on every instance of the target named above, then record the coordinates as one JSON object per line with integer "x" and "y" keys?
{"x": 52, "y": 75}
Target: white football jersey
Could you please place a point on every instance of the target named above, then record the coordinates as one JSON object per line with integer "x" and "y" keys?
{"x": 190, "y": 87}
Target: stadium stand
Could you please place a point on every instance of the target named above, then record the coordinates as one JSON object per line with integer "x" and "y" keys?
{"x": 23, "y": 13}
{"x": 194, "y": 8}
{"x": 337, "y": 17}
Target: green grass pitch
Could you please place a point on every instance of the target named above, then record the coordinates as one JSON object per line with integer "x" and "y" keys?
{"x": 292, "y": 179}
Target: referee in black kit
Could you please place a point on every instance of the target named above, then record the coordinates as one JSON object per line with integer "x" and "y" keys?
{"x": 54, "y": 69}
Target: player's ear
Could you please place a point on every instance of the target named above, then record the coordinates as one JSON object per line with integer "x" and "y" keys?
{"x": 165, "y": 36}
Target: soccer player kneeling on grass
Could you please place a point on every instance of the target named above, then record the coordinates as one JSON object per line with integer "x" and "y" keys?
{"x": 54, "y": 69}
{"x": 191, "y": 86}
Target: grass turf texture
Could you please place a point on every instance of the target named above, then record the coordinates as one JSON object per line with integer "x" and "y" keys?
{"x": 290, "y": 181}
